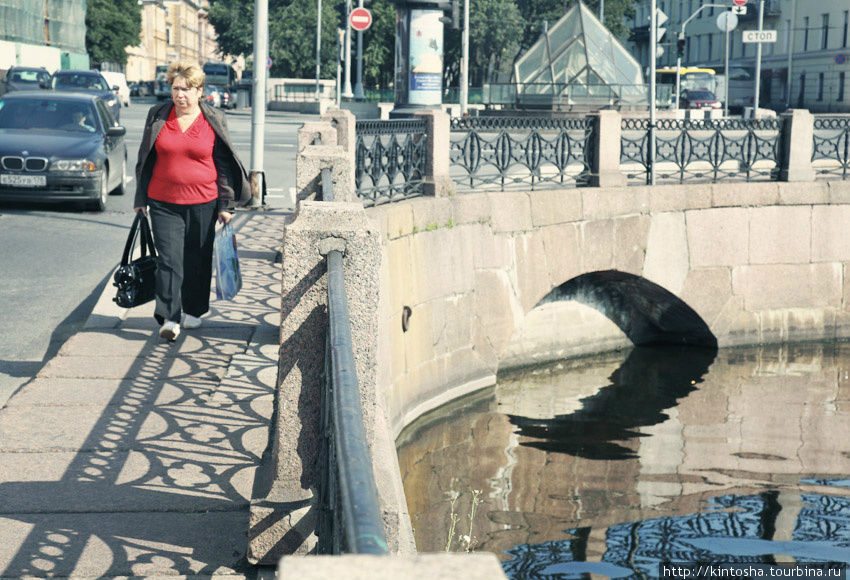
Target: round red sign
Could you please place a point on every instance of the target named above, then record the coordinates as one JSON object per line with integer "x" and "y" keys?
{"x": 360, "y": 19}
{"x": 740, "y": 2}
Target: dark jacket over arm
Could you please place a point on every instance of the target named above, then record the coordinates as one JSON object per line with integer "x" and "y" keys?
{"x": 232, "y": 181}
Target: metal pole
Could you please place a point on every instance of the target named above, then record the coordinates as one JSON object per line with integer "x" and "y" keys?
{"x": 258, "y": 109}
{"x": 346, "y": 91}
{"x": 758, "y": 62}
{"x": 653, "y": 53}
{"x": 726, "y": 74}
{"x": 602, "y": 11}
{"x": 340, "y": 38}
{"x": 678, "y": 78}
{"x": 464, "y": 60}
{"x": 358, "y": 86}
{"x": 790, "y": 53}
{"x": 318, "y": 45}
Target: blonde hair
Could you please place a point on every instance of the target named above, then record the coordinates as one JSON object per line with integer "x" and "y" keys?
{"x": 190, "y": 71}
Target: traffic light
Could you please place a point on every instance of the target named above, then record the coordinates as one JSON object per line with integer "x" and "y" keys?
{"x": 453, "y": 8}
{"x": 680, "y": 47}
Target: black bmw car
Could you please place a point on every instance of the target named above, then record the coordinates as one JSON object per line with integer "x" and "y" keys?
{"x": 60, "y": 147}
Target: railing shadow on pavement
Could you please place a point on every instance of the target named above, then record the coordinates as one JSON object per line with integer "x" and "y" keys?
{"x": 128, "y": 456}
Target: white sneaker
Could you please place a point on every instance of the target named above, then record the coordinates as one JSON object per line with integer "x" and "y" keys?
{"x": 170, "y": 330}
{"x": 190, "y": 322}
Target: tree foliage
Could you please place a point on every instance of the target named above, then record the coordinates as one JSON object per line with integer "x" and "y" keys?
{"x": 500, "y": 30}
{"x": 111, "y": 26}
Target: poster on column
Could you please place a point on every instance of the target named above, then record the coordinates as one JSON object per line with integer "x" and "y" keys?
{"x": 426, "y": 57}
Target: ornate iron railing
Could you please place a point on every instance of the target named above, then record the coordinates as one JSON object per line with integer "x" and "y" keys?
{"x": 519, "y": 152}
{"x": 831, "y": 151}
{"x": 696, "y": 150}
{"x": 391, "y": 158}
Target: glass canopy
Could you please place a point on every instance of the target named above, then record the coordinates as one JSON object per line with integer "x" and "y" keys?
{"x": 578, "y": 61}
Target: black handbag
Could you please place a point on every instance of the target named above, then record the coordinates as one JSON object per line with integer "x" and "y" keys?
{"x": 135, "y": 280}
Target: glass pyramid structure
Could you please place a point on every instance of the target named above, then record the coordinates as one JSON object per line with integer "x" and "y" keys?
{"x": 578, "y": 61}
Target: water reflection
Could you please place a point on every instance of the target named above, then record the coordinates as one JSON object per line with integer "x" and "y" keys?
{"x": 613, "y": 465}
{"x": 650, "y": 381}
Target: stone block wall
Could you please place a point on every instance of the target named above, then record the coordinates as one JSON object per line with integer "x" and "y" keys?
{"x": 467, "y": 273}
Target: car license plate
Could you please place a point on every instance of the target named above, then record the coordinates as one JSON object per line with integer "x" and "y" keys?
{"x": 23, "y": 180}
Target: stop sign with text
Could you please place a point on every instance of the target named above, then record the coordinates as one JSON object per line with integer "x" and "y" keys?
{"x": 360, "y": 19}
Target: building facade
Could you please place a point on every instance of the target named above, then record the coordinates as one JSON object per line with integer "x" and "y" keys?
{"x": 171, "y": 30}
{"x": 812, "y": 51}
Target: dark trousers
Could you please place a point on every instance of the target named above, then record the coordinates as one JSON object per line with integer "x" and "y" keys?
{"x": 183, "y": 236}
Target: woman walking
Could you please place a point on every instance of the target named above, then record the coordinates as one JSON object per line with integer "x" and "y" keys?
{"x": 189, "y": 176}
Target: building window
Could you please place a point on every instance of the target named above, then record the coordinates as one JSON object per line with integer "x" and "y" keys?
{"x": 824, "y": 39}
{"x": 846, "y": 28}
{"x": 168, "y": 35}
{"x": 788, "y": 36}
{"x": 711, "y": 10}
{"x": 710, "y": 47}
{"x": 840, "y": 87}
{"x": 802, "y": 95}
{"x": 805, "y": 33}
{"x": 820, "y": 86}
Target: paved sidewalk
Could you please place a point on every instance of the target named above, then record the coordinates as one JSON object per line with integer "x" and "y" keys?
{"x": 130, "y": 456}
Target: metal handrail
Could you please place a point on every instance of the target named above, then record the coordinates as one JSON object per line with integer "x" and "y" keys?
{"x": 347, "y": 455}
{"x": 362, "y": 521}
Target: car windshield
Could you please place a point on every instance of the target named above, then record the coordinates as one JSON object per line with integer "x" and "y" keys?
{"x": 700, "y": 96}
{"x": 47, "y": 114}
{"x": 80, "y": 82}
{"x": 27, "y": 76}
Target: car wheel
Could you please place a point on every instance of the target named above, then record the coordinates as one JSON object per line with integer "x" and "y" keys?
{"x": 100, "y": 203}
{"x": 120, "y": 189}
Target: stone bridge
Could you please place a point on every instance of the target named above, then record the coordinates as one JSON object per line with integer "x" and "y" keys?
{"x": 493, "y": 280}
{"x": 468, "y": 285}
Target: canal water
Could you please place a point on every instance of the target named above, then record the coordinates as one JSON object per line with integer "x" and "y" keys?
{"x": 614, "y": 464}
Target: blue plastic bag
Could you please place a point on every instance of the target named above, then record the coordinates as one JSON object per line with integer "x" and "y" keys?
{"x": 228, "y": 278}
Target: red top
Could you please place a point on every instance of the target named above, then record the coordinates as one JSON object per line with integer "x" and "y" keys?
{"x": 184, "y": 172}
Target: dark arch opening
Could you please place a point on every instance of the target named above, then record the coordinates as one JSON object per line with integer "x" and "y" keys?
{"x": 647, "y": 313}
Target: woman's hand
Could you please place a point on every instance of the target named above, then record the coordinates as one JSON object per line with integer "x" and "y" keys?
{"x": 224, "y": 217}
{"x": 141, "y": 209}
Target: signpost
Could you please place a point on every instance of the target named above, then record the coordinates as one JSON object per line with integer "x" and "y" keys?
{"x": 726, "y": 21}
{"x": 360, "y": 19}
{"x": 759, "y": 36}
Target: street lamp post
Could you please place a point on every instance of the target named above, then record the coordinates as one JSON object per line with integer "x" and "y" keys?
{"x": 758, "y": 62}
{"x": 464, "y": 60}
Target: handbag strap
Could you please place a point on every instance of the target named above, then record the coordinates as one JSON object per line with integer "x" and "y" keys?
{"x": 140, "y": 223}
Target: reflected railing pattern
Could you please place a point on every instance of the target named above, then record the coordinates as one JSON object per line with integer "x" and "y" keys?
{"x": 702, "y": 150}
{"x": 390, "y": 160}
{"x": 639, "y": 548}
{"x": 518, "y": 152}
{"x": 177, "y": 433}
{"x": 831, "y": 146}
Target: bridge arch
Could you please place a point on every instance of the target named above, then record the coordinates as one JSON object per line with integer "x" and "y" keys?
{"x": 647, "y": 313}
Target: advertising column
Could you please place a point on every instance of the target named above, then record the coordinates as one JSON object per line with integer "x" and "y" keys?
{"x": 418, "y": 58}
{"x": 426, "y": 57}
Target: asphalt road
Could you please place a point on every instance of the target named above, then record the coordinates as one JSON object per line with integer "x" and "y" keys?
{"x": 56, "y": 259}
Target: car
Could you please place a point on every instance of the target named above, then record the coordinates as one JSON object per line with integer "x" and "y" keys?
{"x": 698, "y": 99}
{"x": 224, "y": 100}
{"x": 118, "y": 82}
{"x": 212, "y": 96}
{"x": 87, "y": 81}
{"x": 60, "y": 146}
{"x": 24, "y": 78}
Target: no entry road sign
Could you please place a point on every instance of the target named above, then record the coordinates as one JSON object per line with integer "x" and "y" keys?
{"x": 740, "y": 2}
{"x": 360, "y": 19}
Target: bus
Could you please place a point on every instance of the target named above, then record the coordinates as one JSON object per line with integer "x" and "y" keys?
{"x": 160, "y": 86}
{"x": 689, "y": 78}
{"x": 219, "y": 74}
